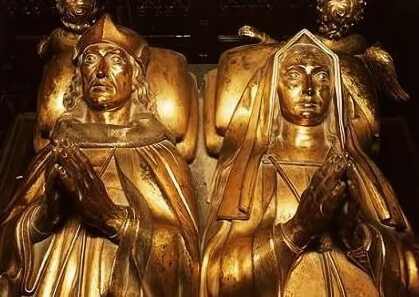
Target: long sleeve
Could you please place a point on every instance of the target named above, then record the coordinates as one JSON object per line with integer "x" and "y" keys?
{"x": 391, "y": 257}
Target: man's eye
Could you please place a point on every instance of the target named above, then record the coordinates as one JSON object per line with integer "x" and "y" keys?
{"x": 117, "y": 59}
{"x": 293, "y": 75}
{"x": 89, "y": 59}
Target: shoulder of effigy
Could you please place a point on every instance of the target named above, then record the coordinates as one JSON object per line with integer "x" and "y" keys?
{"x": 247, "y": 53}
{"x": 141, "y": 132}
{"x": 158, "y": 52}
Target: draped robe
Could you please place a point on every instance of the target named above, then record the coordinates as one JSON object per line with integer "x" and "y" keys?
{"x": 157, "y": 250}
{"x": 245, "y": 251}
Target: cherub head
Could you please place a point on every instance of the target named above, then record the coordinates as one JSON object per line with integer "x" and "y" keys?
{"x": 337, "y": 17}
{"x": 78, "y": 15}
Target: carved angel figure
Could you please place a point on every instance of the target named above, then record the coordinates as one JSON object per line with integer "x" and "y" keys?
{"x": 298, "y": 208}
{"x": 106, "y": 208}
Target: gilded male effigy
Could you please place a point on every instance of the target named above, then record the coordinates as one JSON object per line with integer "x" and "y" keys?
{"x": 365, "y": 70}
{"x": 172, "y": 86}
{"x": 57, "y": 50}
{"x": 106, "y": 208}
{"x": 298, "y": 208}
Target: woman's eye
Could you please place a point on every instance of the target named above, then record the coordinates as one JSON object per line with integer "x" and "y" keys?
{"x": 322, "y": 76}
{"x": 293, "y": 75}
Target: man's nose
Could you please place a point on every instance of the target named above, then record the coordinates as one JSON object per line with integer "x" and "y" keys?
{"x": 102, "y": 70}
{"x": 308, "y": 86}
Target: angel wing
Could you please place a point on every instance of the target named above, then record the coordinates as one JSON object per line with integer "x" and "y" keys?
{"x": 381, "y": 66}
{"x": 252, "y": 32}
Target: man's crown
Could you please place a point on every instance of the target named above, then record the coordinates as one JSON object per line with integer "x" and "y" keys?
{"x": 105, "y": 31}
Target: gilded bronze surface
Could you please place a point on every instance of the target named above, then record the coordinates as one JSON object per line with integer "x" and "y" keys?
{"x": 365, "y": 71}
{"x": 337, "y": 17}
{"x": 107, "y": 207}
{"x": 297, "y": 207}
{"x": 171, "y": 85}
{"x": 57, "y": 50}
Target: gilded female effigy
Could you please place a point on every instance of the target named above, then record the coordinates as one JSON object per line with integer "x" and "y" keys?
{"x": 365, "y": 71}
{"x": 171, "y": 84}
{"x": 298, "y": 208}
{"x": 107, "y": 207}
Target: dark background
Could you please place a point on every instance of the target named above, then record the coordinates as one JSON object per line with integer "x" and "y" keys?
{"x": 201, "y": 30}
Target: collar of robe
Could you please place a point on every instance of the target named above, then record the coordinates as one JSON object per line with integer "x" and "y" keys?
{"x": 144, "y": 130}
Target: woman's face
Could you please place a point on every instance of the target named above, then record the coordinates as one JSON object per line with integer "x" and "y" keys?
{"x": 305, "y": 87}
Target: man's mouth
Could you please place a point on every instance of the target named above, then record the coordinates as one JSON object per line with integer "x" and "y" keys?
{"x": 100, "y": 86}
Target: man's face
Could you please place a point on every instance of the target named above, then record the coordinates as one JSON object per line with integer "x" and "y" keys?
{"x": 305, "y": 87}
{"x": 107, "y": 73}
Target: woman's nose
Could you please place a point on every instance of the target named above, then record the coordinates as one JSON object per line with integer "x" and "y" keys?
{"x": 308, "y": 86}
